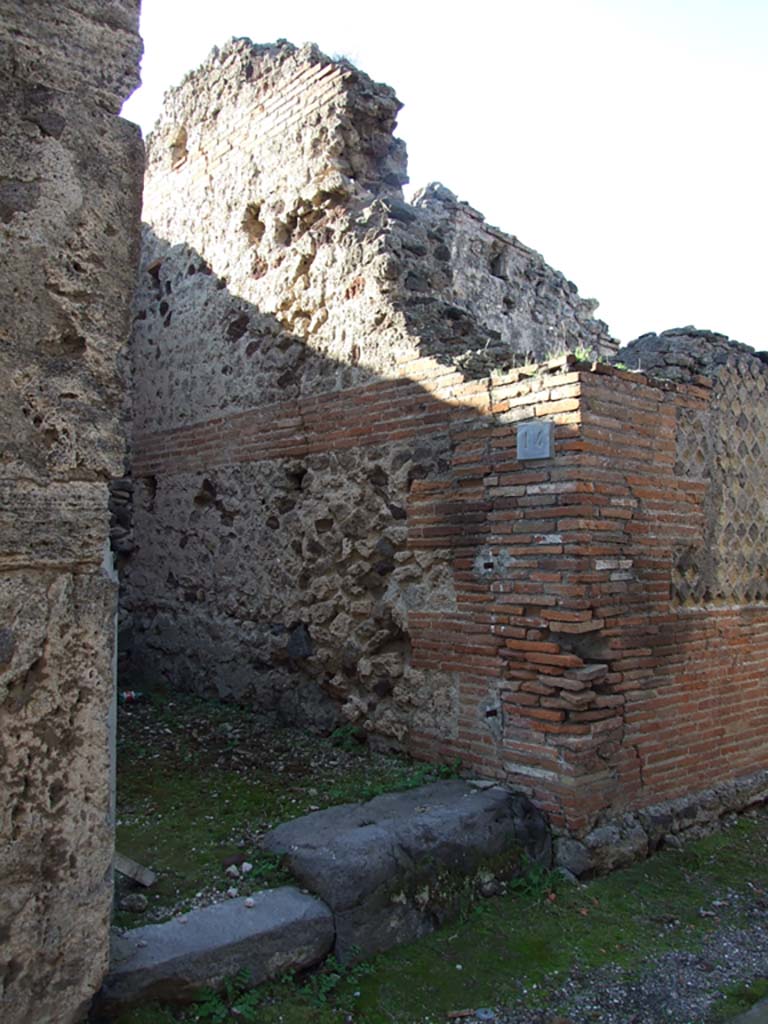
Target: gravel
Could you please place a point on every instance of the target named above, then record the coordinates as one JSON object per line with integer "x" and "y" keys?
{"x": 679, "y": 987}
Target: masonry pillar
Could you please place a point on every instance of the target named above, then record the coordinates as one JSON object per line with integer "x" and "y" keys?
{"x": 70, "y": 191}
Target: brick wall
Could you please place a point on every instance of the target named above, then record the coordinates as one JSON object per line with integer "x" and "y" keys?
{"x": 330, "y": 517}
{"x": 565, "y": 663}
{"x": 614, "y": 695}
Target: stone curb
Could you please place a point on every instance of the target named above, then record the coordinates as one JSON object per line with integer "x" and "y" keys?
{"x": 758, "y": 1014}
{"x": 397, "y": 867}
{"x": 384, "y": 872}
{"x": 283, "y": 930}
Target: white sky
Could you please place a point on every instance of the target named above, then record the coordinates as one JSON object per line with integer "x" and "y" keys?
{"x": 625, "y": 140}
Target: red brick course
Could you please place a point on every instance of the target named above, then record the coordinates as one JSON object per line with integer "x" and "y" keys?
{"x": 579, "y": 677}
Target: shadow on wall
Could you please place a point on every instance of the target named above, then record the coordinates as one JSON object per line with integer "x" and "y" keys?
{"x": 268, "y": 557}
{"x": 320, "y": 542}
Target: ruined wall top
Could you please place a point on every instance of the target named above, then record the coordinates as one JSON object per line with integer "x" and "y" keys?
{"x": 301, "y": 121}
{"x": 682, "y": 353}
{"x": 523, "y": 308}
{"x": 277, "y": 235}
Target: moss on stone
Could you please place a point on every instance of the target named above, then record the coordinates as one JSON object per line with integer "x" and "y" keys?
{"x": 520, "y": 945}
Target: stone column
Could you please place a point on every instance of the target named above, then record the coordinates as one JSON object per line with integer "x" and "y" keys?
{"x": 70, "y": 194}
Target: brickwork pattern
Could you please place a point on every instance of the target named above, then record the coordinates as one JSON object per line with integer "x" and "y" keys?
{"x": 726, "y": 445}
{"x": 328, "y": 391}
{"x": 563, "y": 666}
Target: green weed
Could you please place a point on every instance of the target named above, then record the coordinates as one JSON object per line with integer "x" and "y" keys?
{"x": 582, "y": 352}
{"x": 535, "y": 881}
{"x": 739, "y": 998}
{"x": 325, "y": 982}
{"x": 346, "y": 738}
{"x": 237, "y": 999}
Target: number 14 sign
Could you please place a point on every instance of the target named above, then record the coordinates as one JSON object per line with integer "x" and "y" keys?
{"x": 535, "y": 440}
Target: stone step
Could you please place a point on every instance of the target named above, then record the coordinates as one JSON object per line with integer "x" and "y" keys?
{"x": 757, "y": 1015}
{"x": 395, "y": 868}
{"x": 283, "y": 930}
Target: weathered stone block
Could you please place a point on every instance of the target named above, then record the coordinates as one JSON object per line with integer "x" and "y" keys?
{"x": 70, "y": 193}
{"x": 394, "y": 868}
{"x": 616, "y": 846}
{"x": 283, "y": 930}
{"x": 573, "y": 856}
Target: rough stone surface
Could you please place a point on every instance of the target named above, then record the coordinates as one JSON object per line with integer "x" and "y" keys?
{"x": 611, "y": 846}
{"x": 619, "y": 840}
{"x": 135, "y": 902}
{"x": 681, "y": 353}
{"x": 523, "y": 310}
{"x": 280, "y": 930}
{"x": 392, "y": 869}
{"x": 305, "y": 594}
{"x": 70, "y": 187}
{"x": 572, "y": 856}
{"x": 280, "y": 262}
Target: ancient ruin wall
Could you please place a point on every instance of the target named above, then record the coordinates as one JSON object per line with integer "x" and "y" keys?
{"x": 704, "y": 711}
{"x": 305, "y": 350}
{"x": 641, "y": 674}
{"x": 330, "y": 514}
{"x": 70, "y": 185}
{"x": 276, "y": 170}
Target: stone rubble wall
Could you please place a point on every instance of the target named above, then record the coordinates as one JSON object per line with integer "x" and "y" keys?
{"x": 726, "y": 444}
{"x": 287, "y": 299}
{"x": 329, "y": 516}
{"x": 70, "y": 192}
{"x": 521, "y": 305}
{"x": 684, "y": 353}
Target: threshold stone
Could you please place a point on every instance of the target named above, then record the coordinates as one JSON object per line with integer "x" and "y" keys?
{"x": 283, "y": 930}
{"x": 757, "y": 1015}
{"x": 398, "y": 866}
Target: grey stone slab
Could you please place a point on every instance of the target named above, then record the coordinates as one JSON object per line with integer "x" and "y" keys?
{"x": 285, "y": 929}
{"x": 758, "y": 1014}
{"x": 396, "y": 867}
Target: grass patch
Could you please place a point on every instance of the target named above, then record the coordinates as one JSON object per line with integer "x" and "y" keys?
{"x": 518, "y": 948}
{"x": 521, "y": 945}
{"x": 739, "y": 998}
{"x": 199, "y": 782}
